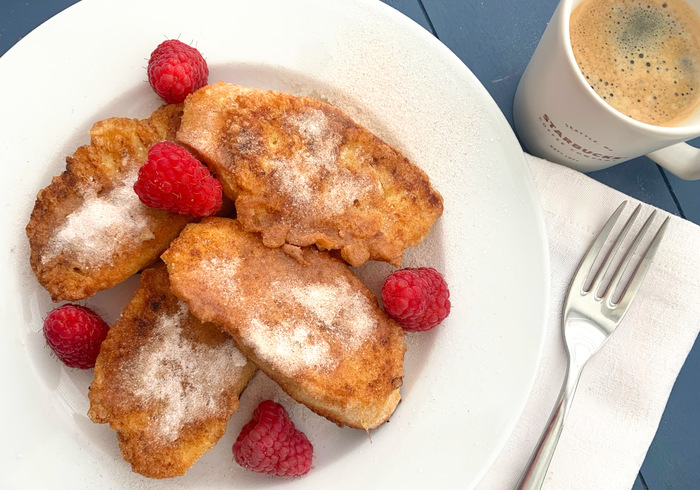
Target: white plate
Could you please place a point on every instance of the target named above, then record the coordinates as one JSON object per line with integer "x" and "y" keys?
{"x": 466, "y": 382}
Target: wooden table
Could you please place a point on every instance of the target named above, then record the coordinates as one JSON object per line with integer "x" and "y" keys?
{"x": 495, "y": 39}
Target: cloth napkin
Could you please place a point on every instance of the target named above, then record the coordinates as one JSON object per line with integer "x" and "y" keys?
{"x": 625, "y": 386}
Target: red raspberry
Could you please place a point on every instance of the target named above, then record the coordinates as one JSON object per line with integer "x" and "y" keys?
{"x": 270, "y": 443}
{"x": 174, "y": 180}
{"x": 416, "y": 298}
{"x": 175, "y": 70}
{"x": 75, "y": 334}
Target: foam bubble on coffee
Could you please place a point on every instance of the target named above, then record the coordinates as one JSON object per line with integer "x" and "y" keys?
{"x": 641, "y": 57}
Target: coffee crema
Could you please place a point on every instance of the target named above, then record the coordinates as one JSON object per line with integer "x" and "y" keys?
{"x": 641, "y": 57}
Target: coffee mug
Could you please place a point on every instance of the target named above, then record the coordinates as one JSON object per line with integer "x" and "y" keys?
{"x": 565, "y": 107}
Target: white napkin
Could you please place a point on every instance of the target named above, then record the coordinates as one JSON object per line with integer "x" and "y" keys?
{"x": 625, "y": 386}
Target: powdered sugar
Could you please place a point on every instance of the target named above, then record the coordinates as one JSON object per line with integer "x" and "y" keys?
{"x": 225, "y": 285}
{"x": 186, "y": 377}
{"x": 313, "y": 127}
{"x": 314, "y": 177}
{"x": 289, "y": 345}
{"x": 344, "y": 188}
{"x": 101, "y": 225}
{"x": 330, "y": 314}
{"x": 338, "y": 308}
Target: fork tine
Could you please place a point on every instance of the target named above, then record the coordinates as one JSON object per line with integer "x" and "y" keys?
{"x": 584, "y": 268}
{"x": 642, "y": 268}
{"x": 603, "y": 270}
{"x": 615, "y": 281}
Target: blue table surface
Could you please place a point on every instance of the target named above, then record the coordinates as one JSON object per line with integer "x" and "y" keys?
{"x": 496, "y": 40}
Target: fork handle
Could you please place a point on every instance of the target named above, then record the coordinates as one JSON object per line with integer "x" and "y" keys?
{"x": 536, "y": 469}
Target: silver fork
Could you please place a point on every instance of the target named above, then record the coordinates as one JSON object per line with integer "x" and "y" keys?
{"x": 588, "y": 321}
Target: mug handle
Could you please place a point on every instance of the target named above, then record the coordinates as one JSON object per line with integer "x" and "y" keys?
{"x": 680, "y": 159}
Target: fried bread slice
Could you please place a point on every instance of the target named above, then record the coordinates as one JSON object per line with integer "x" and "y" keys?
{"x": 302, "y": 172}
{"x": 309, "y": 324}
{"x": 165, "y": 382}
{"x": 88, "y": 230}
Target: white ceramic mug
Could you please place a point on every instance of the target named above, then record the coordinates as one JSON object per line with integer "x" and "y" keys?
{"x": 558, "y": 116}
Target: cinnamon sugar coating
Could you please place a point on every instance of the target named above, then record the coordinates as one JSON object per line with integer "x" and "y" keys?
{"x": 302, "y": 172}
{"x": 310, "y": 325}
{"x": 165, "y": 382}
{"x": 88, "y": 230}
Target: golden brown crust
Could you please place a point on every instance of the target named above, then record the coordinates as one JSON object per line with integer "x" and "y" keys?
{"x": 118, "y": 147}
{"x": 302, "y": 172}
{"x": 163, "y": 433}
{"x": 314, "y": 329}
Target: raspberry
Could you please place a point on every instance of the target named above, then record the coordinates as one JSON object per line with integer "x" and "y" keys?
{"x": 75, "y": 334}
{"x": 416, "y": 298}
{"x": 175, "y": 70}
{"x": 270, "y": 443}
{"x": 174, "y": 180}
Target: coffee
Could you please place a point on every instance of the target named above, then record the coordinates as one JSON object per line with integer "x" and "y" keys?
{"x": 641, "y": 57}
